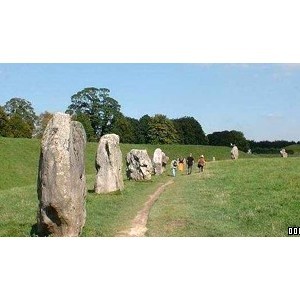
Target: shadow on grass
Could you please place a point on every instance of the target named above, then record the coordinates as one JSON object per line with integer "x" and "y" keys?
{"x": 118, "y": 192}
{"x": 34, "y": 231}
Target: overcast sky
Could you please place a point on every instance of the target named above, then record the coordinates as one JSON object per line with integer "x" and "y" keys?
{"x": 261, "y": 100}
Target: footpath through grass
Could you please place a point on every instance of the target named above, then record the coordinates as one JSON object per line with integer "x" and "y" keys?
{"x": 255, "y": 197}
{"x": 106, "y": 214}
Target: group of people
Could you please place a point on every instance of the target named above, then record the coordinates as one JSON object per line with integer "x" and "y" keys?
{"x": 189, "y": 162}
{"x": 181, "y": 162}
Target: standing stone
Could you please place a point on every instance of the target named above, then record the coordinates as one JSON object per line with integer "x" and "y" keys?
{"x": 157, "y": 161}
{"x": 61, "y": 178}
{"x": 283, "y": 153}
{"x": 109, "y": 164}
{"x": 234, "y": 152}
{"x": 139, "y": 165}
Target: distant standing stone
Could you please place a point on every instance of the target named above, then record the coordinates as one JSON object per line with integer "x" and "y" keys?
{"x": 234, "y": 152}
{"x": 61, "y": 178}
{"x": 157, "y": 161}
{"x": 139, "y": 165}
{"x": 109, "y": 164}
{"x": 283, "y": 153}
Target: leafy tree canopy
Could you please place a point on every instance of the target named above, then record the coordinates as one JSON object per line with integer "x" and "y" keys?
{"x": 19, "y": 119}
{"x": 23, "y": 109}
{"x": 144, "y": 128}
{"x": 4, "y": 126}
{"x": 41, "y": 124}
{"x": 86, "y": 123}
{"x": 190, "y": 131}
{"x": 98, "y": 106}
{"x": 162, "y": 130}
{"x": 18, "y": 128}
{"x": 226, "y": 138}
{"x": 125, "y": 128}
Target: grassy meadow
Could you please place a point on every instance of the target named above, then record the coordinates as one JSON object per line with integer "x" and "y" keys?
{"x": 19, "y": 158}
{"x": 247, "y": 197}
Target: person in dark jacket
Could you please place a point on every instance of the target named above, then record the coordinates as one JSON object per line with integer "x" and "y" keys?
{"x": 190, "y": 161}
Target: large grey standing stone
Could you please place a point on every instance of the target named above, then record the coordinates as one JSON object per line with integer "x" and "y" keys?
{"x": 109, "y": 164}
{"x": 157, "y": 161}
{"x": 139, "y": 165}
{"x": 61, "y": 178}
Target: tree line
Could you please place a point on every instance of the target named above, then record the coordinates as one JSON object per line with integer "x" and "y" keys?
{"x": 100, "y": 114}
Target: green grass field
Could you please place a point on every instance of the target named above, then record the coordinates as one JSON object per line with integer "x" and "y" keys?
{"x": 247, "y": 197}
{"x": 19, "y": 158}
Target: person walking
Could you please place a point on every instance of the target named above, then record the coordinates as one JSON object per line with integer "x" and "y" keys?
{"x": 173, "y": 167}
{"x": 181, "y": 164}
{"x": 201, "y": 163}
{"x": 190, "y": 161}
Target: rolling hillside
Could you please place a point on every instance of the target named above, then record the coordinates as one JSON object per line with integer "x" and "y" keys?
{"x": 19, "y": 158}
{"x": 295, "y": 148}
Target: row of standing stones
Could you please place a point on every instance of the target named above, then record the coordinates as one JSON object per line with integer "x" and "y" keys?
{"x": 61, "y": 183}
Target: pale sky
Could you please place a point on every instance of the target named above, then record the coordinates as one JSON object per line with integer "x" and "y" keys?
{"x": 261, "y": 100}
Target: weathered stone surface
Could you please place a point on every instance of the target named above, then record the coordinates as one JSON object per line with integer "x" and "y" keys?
{"x": 157, "y": 161}
{"x": 61, "y": 178}
{"x": 109, "y": 164}
{"x": 234, "y": 152}
{"x": 283, "y": 153}
{"x": 139, "y": 165}
{"x": 160, "y": 161}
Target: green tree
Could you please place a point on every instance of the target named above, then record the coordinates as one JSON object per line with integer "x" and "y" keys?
{"x": 190, "y": 131}
{"x": 18, "y": 128}
{"x": 124, "y": 128}
{"x": 109, "y": 110}
{"x": 162, "y": 130}
{"x": 22, "y": 108}
{"x": 144, "y": 129}
{"x": 41, "y": 124}
{"x": 137, "y": 131}
{"x": 86, "y": 123}
{"x": 98, "y": 106}
{"x": 4, "y": 123}
{"x": 226, "y": 138}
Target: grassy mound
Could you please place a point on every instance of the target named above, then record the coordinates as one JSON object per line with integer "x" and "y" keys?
{"x": 295, "y": 148}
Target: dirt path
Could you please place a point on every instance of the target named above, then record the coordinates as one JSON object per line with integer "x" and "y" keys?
{"x": 138, "y": 225}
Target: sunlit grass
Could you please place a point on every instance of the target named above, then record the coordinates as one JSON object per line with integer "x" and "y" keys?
{"x": 247, "y": 197}
{"x": 257, "y": 197}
